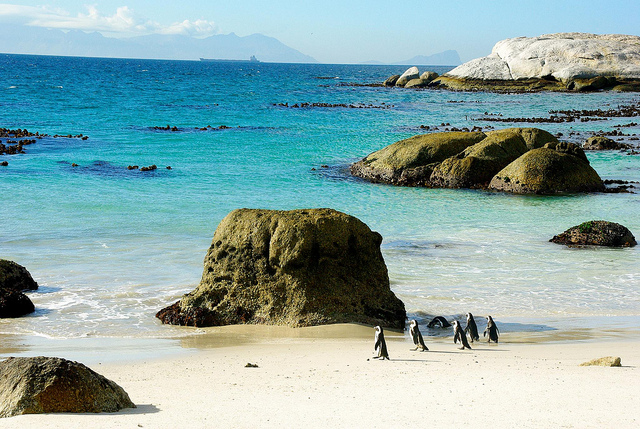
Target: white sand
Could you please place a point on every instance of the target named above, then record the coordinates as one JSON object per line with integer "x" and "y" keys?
{"x": 307, "y": 381}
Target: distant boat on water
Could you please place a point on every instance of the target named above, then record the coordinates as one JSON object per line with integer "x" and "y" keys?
{"x": 251, "y": 59}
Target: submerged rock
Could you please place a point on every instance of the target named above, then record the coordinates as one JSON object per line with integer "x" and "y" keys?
{"x": 53, "y": 385}
{"x": 596, "y": 233}
{"x": 295, "y": 268}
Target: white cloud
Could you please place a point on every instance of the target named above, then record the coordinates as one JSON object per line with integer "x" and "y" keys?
{"x": 124, "y": 22}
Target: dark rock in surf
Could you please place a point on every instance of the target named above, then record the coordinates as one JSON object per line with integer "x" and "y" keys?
{"x": 14, "y": 303}
{"x": 295, "y": 268}
{"x": 596, "y": 233}
{"x": 15, "y": 276}
{"x": 603, "y": 143}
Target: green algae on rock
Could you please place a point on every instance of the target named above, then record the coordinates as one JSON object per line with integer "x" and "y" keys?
{"x": 294, "y": 268}
{"x": 596, "y": 233}
{"x": 410, "y": 162}
{"x": 546, "y": 171}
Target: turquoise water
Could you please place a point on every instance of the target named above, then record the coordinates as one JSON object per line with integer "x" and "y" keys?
{"x": 110, "y": 246}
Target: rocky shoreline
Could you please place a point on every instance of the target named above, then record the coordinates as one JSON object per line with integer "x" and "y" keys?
{"x": 564, "y": 62}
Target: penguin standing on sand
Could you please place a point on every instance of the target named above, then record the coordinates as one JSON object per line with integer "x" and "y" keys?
{"x": 438, "y": 320}
{"x": 472, "y": 328}
{"x": 459, "y": 335}
{"x": 380, "y": 345}
{"x": 416, "y": 336}
{"x": 492, "y": 329}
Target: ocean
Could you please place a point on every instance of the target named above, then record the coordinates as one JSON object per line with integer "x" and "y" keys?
{"x": 110, "y": 246}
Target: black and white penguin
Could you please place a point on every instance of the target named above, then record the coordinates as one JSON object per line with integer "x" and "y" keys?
{"x": 472, "y": 328}
{"x": 416, "y": 336}
{"x": 492, "y": 329}
{"x": 438, "y": 320}
{"x": 459, "y": 335}
{"x": 380, "y": 345}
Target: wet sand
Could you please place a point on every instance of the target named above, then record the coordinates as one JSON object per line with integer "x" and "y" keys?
{"x": 325, "y": 377}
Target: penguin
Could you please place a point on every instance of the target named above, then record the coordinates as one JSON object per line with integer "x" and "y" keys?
{"x": 472, "y": 328}
{"x": 417, "y": 337}
{"x": 380, "y": 345}
{"x": 458, "y": 334}
{"x": 438, "y": 320}
{"x": 492, "y": 329}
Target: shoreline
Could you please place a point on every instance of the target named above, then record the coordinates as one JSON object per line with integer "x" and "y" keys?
{"x": 326, "y": 377}
{"x": 184, "y": 341}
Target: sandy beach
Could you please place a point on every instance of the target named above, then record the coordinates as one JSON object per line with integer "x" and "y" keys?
{"x": 325, "y": 377}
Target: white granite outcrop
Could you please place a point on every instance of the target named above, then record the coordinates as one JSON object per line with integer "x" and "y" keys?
{"x": 564, "y": 56}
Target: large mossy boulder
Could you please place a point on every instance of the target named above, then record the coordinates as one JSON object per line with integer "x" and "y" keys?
{"x": 533, "y": 137}
{"x": 549, "y": 170}
{"x": 410, "y": 162}
{"x": 15, "y": 278}
{"x": 37, "y": 385}
{"x": 295, "y": 268}
{"x": 476, "y": 165}
{"x": 596, "y": 233}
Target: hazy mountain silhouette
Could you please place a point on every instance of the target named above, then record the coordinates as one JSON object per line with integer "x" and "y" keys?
{"x": 16, "y": 39}
{"x": 445, "y": 58}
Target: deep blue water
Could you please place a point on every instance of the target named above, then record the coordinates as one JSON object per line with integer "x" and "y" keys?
{"x": 111, "y": 246}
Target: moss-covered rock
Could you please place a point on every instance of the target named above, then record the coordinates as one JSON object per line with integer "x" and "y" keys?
{"x": 610, "y": 361}
{"x": 428, "y": 76}
{"x": 596, "y": 233}
{"x": 35, "y": 385}
{"x": 295, "y": 268}
{"x": 533, "y": 137}
{"x": 410, "y": 162}
{"x": 547, "y": 171}
{"x": 476, "y": 165}
{"x": 416, "y": 83}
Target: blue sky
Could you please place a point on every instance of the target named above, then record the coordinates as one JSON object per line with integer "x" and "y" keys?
{"x": 342, "y": 31}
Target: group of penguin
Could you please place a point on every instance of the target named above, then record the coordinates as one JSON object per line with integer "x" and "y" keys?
{"x": 459, "y": 334}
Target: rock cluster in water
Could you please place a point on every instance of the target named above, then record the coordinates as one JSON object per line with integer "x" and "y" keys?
{"x": 596, "y": 233}
{"x": 295, "y": 268}
{"x": 36, "y": 385}
{"x": 14, "y": 279}
{"x": 411, "y": 78}
{"x": 521, "y": 160}
{"x": 561, "y": 62}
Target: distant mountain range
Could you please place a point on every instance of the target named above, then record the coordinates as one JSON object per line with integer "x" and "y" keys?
{"x": 446, "y": 58}
{"x": 16, "y": 39}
